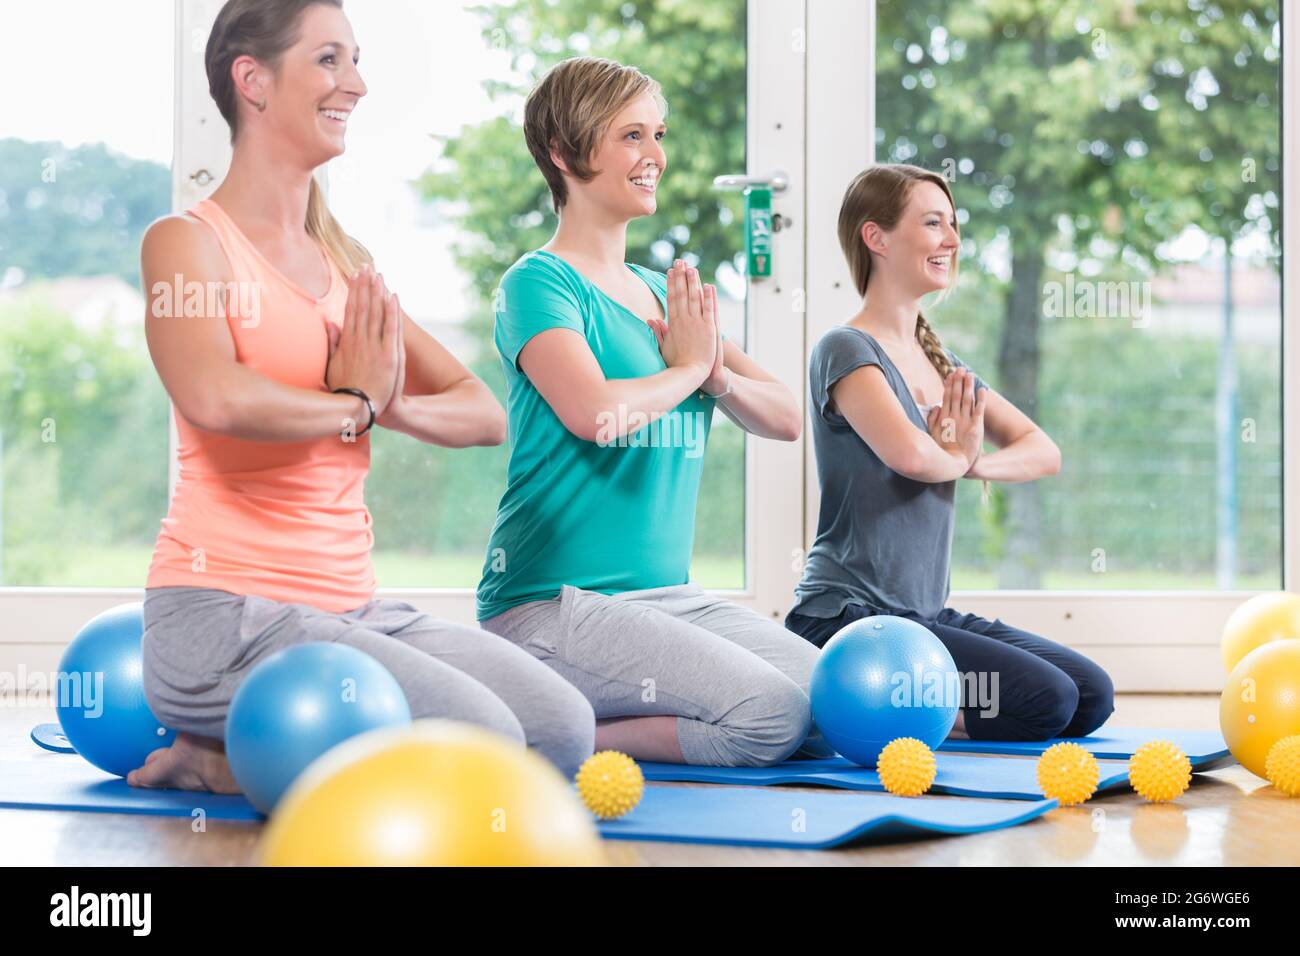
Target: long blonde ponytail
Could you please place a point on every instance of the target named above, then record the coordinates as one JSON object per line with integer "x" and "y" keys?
{"x": 348, "y": 254}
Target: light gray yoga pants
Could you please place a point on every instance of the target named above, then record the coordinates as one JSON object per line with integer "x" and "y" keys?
{"x": 200, "y": 643}
{"x": 737, "y": 681}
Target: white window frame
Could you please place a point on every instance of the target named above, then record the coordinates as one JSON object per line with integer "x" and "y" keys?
{"x": 1147, "y": 640}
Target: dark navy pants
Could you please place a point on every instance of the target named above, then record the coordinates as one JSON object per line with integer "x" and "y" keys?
{"x": 1044, "y": 690}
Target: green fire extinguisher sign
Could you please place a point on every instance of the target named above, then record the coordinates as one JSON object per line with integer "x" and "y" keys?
{"x": 758, "y": 231}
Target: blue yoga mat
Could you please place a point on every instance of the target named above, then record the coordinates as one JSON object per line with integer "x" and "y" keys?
{"x": 726, "y": 815}
{"x": 1005, "y": 778}
{"x": 807, "y": 819}
{"x": 1204, "y": 748}
{"x": 50, "y": 782}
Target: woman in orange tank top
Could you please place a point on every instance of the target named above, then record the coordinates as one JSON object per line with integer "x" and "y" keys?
{"x": 281, "y": 348}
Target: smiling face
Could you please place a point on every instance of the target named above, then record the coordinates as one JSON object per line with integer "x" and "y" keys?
{"x": 316, "y": 85}
{"x": 921, "y": 251}
{"x": 630, "y": 162}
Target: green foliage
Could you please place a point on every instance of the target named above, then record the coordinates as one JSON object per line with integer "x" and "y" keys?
{"x": 84, "y": 425}
{"x": 696, "y": 52}
{"x": 83, "y": 417}
{"x": 76, "y": 212}
{"x": 1087, "y": 118}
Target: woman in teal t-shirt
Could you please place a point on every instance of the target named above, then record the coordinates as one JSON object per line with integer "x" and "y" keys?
{"x": 613, "y": 372}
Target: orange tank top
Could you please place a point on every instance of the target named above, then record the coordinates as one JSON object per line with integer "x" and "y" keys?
{"x": 283, "y": 520}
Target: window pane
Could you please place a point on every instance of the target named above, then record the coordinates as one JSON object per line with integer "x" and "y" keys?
{"x": 85, "y": 162}
{"x": 438, "y": 183}
{"x": 1117, "y": 173}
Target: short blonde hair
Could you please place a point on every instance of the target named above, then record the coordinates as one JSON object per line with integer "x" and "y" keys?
{"x": 571, "y": 109}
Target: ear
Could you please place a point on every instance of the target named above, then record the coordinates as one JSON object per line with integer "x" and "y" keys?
{"x": 560, "y": 164}
{"x": 873, "y": 237}
{"x": 250, "y": 80}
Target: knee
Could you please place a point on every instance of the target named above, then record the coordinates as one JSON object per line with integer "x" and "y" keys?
{"x": 771, "y": 727}
{"x": 1096, "y": 703}
{"x": 487, "y": 711}
{"x": 567, "y": 735}
{"x": 1054, "y": 710}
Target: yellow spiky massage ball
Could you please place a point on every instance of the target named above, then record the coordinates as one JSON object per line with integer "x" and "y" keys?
{"x": 1159, "y": 771}
{"x": 906, "y": 767}
{"x": 1068, "y": 773}
{"x": 610, "y": 784}
{"x": 1282, "y": 766}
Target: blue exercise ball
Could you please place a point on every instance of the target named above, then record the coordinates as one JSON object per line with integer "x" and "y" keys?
{"x": 100, "y": 694}
{"x": 881, "y": 678}
{"x": 297, "y": 704}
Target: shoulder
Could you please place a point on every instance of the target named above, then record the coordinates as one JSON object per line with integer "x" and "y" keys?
{"x": 844, "y": 341}
{"x": 179, "y": 241}
{"x": 181, "y": 228}
{"x": 538, "y": 266}
{"x": 537, "y": 276}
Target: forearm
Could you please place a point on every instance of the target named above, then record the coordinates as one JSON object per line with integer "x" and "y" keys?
{"x": 625, "y": 405}
{"x": 462, "y": 415}
{"x": 252, "y": 407}
{"x": 933, "y": 463}
{"x": 1027, "y": 458}
{"x": 765, "y": 409}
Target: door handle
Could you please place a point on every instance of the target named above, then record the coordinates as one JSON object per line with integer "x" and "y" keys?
{"x": 776, "y": 181}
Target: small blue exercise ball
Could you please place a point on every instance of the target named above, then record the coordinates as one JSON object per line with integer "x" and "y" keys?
{"x": 100, "y": 693}
{"x": 297, "y": 704}
{"x": 881, "y": 678}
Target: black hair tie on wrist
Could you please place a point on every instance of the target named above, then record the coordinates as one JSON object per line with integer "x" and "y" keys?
{"x": 365, "y": 398}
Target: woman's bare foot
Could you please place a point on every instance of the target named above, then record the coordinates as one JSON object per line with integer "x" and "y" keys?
{"x": 190, "y": 763}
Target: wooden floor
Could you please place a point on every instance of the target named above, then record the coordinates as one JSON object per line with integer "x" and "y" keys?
{"x": 1228, "y": 818}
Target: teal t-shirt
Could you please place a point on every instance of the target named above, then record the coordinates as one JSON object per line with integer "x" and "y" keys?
{"x": 611, "y": 515}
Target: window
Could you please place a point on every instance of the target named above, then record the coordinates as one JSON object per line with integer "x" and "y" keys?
{"x": 1118, "y": 175}
{"x": 83, "y": 417}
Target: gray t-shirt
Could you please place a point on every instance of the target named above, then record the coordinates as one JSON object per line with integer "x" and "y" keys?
{"x": 882, "y": 539}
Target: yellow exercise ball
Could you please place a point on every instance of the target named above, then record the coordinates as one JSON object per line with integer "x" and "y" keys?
{"x": 1265, "y": 617}
{"x": 1261, "y": 702}
{"x": 436, "y": 793}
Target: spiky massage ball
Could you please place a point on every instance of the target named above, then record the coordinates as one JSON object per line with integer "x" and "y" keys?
{"x": 610, "y": 784}
{"x": 1282, "y": 765}
{"x": 906, "y": 767}
{"x": 1159, "y": 771}
{"x": 1068, "y": 774}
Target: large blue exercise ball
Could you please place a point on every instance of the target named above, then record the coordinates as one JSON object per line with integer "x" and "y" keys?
{"x": 881, "y": 678}
{"x": 100, "y": 693}
{"x": 297, "y": 704}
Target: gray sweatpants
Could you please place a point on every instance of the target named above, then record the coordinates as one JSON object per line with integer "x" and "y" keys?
{"x": 200, "y": 643}
{"x": 737, "y": 681}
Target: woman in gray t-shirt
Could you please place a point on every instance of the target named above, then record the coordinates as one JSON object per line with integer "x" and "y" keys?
{"x": 896, "y": 420}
